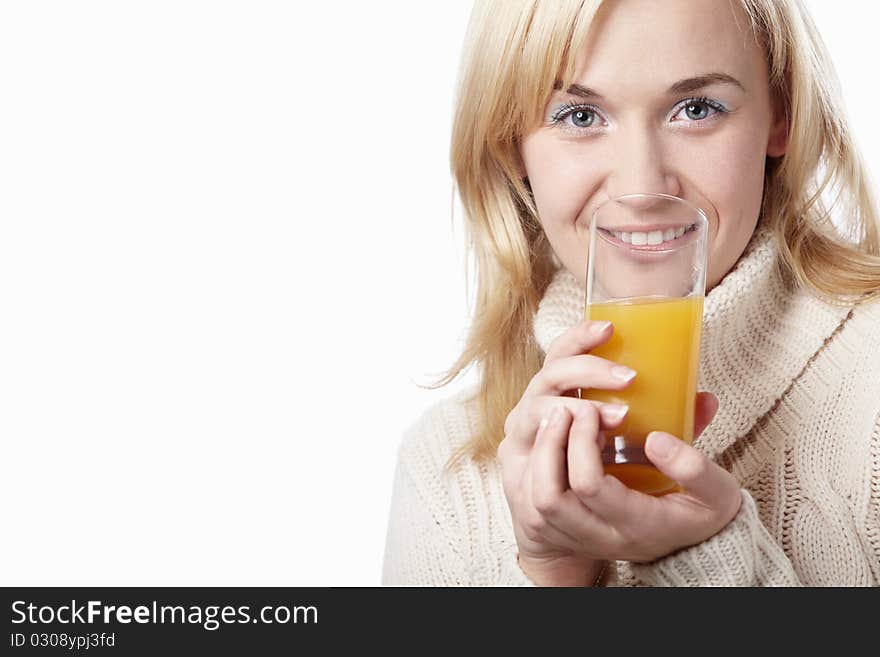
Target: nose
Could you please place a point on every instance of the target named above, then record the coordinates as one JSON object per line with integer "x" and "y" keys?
{"x": 638, "y": 166}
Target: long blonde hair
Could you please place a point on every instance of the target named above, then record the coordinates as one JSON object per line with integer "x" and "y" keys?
{"x": 514, "y": 52}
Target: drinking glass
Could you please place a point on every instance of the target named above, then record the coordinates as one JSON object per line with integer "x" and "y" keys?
{"x": 646, "y": 273}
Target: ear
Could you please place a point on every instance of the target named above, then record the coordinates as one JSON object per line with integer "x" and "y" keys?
{"x": 777, "y": 141}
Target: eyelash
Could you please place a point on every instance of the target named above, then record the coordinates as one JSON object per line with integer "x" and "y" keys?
{"x": 566, "y": 110}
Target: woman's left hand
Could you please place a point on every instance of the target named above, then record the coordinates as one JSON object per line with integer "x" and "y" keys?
{"x": 640, "y": 527}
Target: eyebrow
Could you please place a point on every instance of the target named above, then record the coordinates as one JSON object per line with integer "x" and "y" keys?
{"x": 687, "y": 85}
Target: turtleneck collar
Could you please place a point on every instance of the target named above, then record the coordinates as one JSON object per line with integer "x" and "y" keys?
{"x": 759, "y": 333}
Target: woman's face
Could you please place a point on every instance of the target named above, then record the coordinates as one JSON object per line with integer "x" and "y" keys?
{"x": 669, "y": 97}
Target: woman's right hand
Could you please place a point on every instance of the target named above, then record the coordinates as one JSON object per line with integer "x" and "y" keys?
{"x": 548, "y": 518}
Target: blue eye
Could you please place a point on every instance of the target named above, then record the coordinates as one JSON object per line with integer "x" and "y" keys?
{"x": 699, "y": 109}
{"x": 583, "y": 118}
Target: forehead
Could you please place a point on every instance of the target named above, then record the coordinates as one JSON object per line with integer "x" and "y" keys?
{"x": 654, "y": 42}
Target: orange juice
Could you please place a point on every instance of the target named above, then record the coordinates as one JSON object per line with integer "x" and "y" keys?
{"x": 660, "y": 339}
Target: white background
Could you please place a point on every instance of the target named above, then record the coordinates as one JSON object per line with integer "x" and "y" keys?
{"x": 227, "y": 258}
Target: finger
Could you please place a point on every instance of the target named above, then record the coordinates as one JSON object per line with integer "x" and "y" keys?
{"x": 610, "y": 415}
{"x": 581, "y": 371}
{"x": 524, "y": 431}
{"x": 550, "y": 492}
{"x": 540, "y": 521}
{"x": 579, "y": 339}
{"x": 585, "y": 471}
{"x": 603, "y": 494}
{"x": 549, "y": 480}
{"x": 706, "y": 408}
{"x": 693, "y": 470}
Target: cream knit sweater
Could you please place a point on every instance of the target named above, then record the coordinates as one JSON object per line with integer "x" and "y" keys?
{"x": 798, "y": 425}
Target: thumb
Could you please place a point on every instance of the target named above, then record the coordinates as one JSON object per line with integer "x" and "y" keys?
{"x": 693, "y": 470}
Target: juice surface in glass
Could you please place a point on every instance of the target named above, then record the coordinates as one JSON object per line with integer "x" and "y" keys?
{"x": 660, "y": 339}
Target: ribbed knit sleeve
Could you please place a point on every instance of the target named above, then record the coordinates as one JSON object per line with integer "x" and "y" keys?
{"x": 432, "y": 537}
{"x": 420, "y": 551}
{"x": 418, "y": 548}
{"x": 741, "y": 554}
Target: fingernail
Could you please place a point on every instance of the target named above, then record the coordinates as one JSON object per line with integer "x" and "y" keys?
{"x": 599, "y": 327}
{"x": 661, "y": 444}
{"x": 623, "y": 373}
{"x": 614, "y": 412}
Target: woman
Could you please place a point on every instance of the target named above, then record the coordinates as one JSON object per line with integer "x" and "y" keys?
{"x": 728, "y": 104}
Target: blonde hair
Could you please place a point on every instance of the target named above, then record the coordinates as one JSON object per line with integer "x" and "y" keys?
{"x": 514, "y": 52}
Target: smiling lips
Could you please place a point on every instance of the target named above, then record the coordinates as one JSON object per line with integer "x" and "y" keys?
{"x": 653, "y": 239}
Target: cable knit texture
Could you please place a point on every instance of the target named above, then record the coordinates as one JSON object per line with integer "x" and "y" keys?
{"x": 798, "y": 425}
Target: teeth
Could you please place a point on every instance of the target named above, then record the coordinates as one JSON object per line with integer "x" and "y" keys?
{"x": 652, "y": 238}
{"x": 655, "y": 237}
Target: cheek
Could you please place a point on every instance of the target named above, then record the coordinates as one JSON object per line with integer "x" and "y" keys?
{"x": 562, "y": 183}
{"x": 562, "y": 180}
{"x": 732, "y": 179}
